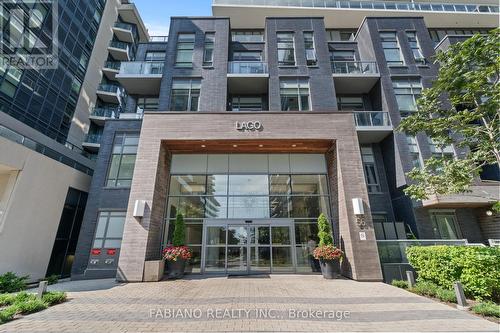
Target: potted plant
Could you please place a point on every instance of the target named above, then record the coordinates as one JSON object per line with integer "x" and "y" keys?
{"x": 178, "y": 254}
{"x": 328, "y": 255}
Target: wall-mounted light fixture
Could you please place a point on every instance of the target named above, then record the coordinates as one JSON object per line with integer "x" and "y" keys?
{"x": 139, "y": 208}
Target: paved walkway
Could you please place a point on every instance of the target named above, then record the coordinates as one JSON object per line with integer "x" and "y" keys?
{"x": 276, "y": 303}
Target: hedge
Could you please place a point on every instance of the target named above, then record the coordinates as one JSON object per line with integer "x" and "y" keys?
{"x": 477, "y": 268}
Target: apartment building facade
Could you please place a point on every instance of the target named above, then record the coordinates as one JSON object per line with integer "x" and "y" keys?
{"x": 265, "y": 115}
{"x": 45, "y": 170}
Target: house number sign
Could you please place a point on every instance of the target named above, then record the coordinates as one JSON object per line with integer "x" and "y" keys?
{"x": 250, "y": 126}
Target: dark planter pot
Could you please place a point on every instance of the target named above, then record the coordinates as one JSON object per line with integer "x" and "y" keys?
{"x": 175, "y": 269}
{"x": 330, "y": 268}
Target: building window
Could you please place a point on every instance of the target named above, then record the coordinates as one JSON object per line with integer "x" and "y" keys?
{"x": 294, "y": 95}
{"x": 391, "y": 48}
{"x": 334, "y": 35}
{"x": 438, "y": 34}
{"x": 247, "y": 56}
{"x": 407, "y": 91}
{"x": 155, "y": 56}
{"x": 185, "y": 95}
{"x": 185, "y": 47}
{"x": 342, "y": 55}
{"x": 444, "y": 225}
{"x": 247, "y": 36}
{"x": 109, "y": 230}
{"x": 122, "y": 164}
{"x": 147, "y": 104}
{"x": 350, "y": 103}
{"x": 415, "y": 47}
{"x": 414, "y": 151}
{"x": 310, "y": 50}
{"x": 286, "y": 49}
{"x": 370, "y": 169}
{"x": 439, "y": 150}
{"x": 208, "y": 52}
{"x": 246, "y": 103}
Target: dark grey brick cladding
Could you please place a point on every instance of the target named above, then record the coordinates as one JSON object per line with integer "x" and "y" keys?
{"x": 100, "y": 197}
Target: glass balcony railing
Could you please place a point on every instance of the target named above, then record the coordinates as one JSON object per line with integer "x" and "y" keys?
{"x": 112, "y": 65}
{"x": 247, "y": 67}
{"x": 111, "y": 88}
{"x": 93, "y": 138}
{"x": 158, "y": 39}
{"x": 354, "y": 67}
{"x": 369, "y": 5}
{"x": 247, "y": 38}
{"x": 372, "y": 118}
{"x": 120, "y": 45}
{"x": 141, "y": 68}
{"x": 124, "y": 26}
{"x": 105, "y": 112}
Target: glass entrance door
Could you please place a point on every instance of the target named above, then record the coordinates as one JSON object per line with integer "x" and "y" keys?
{"x": 244, "y": 249}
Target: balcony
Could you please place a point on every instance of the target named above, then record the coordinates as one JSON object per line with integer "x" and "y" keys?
{"x": 349, "y": 14}
{"x": 247, "y": 77}
{"x": 372, "y": 126}
{"x": 110, "y": 69}
{"x": 354, "y": 77}
{"x": 158, "y": 39}
{"x": 124, "y": 32}
{"x": 142, "y": 78}
{"x": 109, "y": 93}
{"x": 119, "y": 50}
{"x": 100, "y": 114}
{"x": 92, "y": 142}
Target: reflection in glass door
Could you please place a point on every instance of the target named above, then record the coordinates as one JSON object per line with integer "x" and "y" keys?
{"x": 245, "y": 249}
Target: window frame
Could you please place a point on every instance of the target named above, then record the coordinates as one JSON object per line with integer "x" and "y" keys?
{"x": 209, "y": 45}
{"x": 282, "y": 47}
{"x": 104, "y": 237}
{"x": 413, "y": 90}
{"x": 371, "y": 187}
{"x": 310, "y": 45}
{"x": 298, "y": 81}
{"x": 411, "y": 36}
{"x": 395, "y": 48}
{"x": 186, "y": 46}
{"x": 189, "y": 95}
{"x": 121, "y": 154}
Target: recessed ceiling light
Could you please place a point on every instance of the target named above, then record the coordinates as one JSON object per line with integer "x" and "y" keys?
{"x": 294, "y": 146}
{"x": 261, "y": 146}
{"x": 235, "y": 146}
{"x": 203, "y": 146}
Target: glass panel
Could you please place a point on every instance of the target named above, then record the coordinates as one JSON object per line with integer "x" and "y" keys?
{"x": 280, "y": 206}
{"x": 306, "y": 234}
{"x": 279, "y": 163}
{"x": 101, "y": 225}
{"x": 115, "y": 227}
{"x": 280, "y": 184}
{"x": 112, "y": 243}
{"x": 194, "y": 265}
{"x": 187, "y": 185}
{"x": 248, "y": 163}
{"x": 307, "y": 163}
{"x": 260, "y": 258}
{"x": 217, "y": 163}
{"x": 248, "y": 184}
{"x": 194, "y": 233}
{"x": 309, "y": 184}
{"x": 446, "y": 226}
{"x": 306, "y": 261}
{"x": 97, "y": 243}
{"x": 280, "y": 235}
{"x": 262, "y": 236}
{"x": 189, "y": 163}
{"x": 248, "y": 207}
{"x": 312, "y": 207}
{"x": 215, "y": 259}
{"x": 216, "y": 184}
{"x": 282, "y": 259}
{"x": 237, "y": 258}
{"x": 216, "y": 207}
{"x": 216, "y": 235}
{"x": 190, "y": 207}
{"x": 237, "y": 235}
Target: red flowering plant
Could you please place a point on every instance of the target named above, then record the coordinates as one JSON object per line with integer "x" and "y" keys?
{"x": 327, "y": 252}
{"x": 174, "y": 253}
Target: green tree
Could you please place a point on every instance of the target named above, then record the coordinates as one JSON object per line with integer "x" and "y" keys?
{"x": 461, "y": 108}
{"x": 179, "y": 236}
{"x": 324, "y": 231}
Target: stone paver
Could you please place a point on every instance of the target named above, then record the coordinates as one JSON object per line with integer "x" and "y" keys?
{"x": 221, "y": 304}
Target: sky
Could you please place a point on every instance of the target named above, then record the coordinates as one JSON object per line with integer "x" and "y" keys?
{"x": 156, "y": 13}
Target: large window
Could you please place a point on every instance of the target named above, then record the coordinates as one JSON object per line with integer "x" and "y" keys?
{"x": 415, "y": 47}
{"x": 342, "y": 55}
{"x": 391, "y": 48}
{"x": 147, "y": 104}
{"x": 247, "y": 56}
{"x": 439, "y": 150}
{"x": 370, "y": 169}
{"x": 414, "y": 151}
{"x": 350, "y": 103}
{"x": 407, "y": 91}
{"x": 246, "y": 103}
{"x": 109, "y": 230}
{"x": 310, "y": 49}
{"x": 294, "y": 95}
{"x": 185, "y": 47}
{"x": 154, "y": 56}
{"x": 286, "y": 49}
{"x": 185, "y": 95}
{"x": 247, "y": 36}
{"x": 334, "y": 35}
{"x": 123, "y": 160}
{"x": 444, "y": 225}
{"x": 208, "y": 52}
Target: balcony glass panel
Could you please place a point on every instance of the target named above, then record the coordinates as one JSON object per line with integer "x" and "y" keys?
{"x": 142, "y": 68}
{"x": 112, "y": 65}
{"x": 354, "y": 67}
{"x": 372, "y": 118}
{"x": 108, "y": 88}
{"x": 105, "y": 112}
{"x": 247, "y": 67}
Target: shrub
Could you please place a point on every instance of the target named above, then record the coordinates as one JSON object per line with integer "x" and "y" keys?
{"x": 446, "y": 295}
{"x": 487, "y": 309}
{"x": 477, "y": 268}
{"x": 7, "y": 299}
{"x": 324, "y": 231}
{"x": 400, "y": 284}
{"x": 11, "y": 283}
{"x": 179, "y": 236}
{"x": 425, "y": 288}
{"x": 30, "y": 306}
{"x": 8, "y": 313}
{"x": 53, "y": 279}
{"x": 54, "y": 297}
